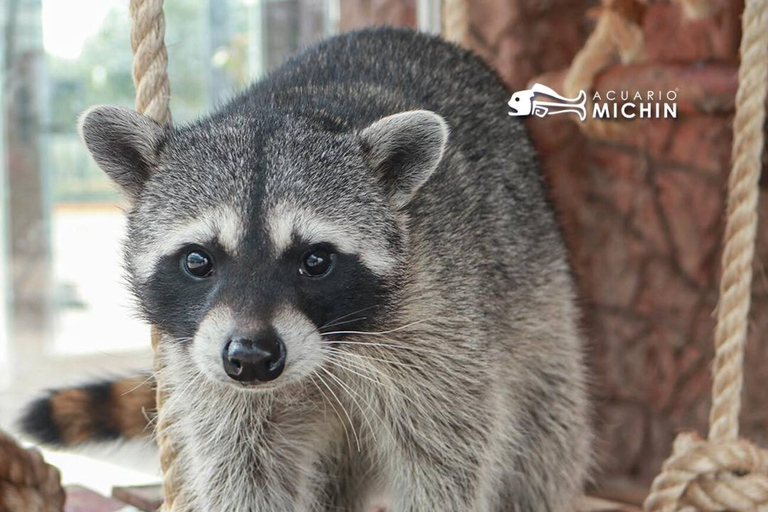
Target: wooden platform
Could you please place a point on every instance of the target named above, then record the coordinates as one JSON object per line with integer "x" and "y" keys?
{"x": 80, "y": 499}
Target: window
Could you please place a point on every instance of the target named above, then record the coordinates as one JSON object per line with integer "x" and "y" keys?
{"x": 66, "y": 314}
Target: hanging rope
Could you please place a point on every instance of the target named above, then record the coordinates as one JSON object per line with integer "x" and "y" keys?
{"x": 617, "y": 37}
{"x": 150, "y": 59}
{"x": 173, "y": 480}
{"x": 741, "y": 228}
{"x": 150, "y": 77}
{"x": 725, "y": 473}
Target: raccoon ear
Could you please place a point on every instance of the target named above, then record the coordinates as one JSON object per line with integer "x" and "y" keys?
{"x": 405, "y": 149}
{"x": 123, "y": 143}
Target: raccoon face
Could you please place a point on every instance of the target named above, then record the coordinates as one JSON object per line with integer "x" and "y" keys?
{"x": 251, "y": 240}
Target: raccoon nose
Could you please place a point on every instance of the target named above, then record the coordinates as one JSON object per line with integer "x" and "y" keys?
{"x": 259, "y": 359}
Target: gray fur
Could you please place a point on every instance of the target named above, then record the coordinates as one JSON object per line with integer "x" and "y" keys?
{"x": 420, "y": 135}
{"x": 123, "y": 143}
{"x": 467, "y": 395}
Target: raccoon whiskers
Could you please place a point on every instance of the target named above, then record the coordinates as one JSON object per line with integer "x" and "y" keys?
{"x": 325, "y": 401}
{"x": 419, "y": 350}
{"x": 352, "y": 394}
{"x": 182, "y": 390}
{"x": 370, "y": 373}
{"x": 363, "y": 362}
{"x": 376, "y": 333}
{"x": 342, "y": 322}
{"x": 381, "y": 359}
{"x": 139, "y": 385}
{"x": 344, "y": 410}
{"x": 328, "y": 401}
{"x": 335, "y": 361}
{"x": 336, "y": 320}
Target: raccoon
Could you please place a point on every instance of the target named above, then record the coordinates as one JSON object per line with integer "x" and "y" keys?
{"x": 363, "y": 293}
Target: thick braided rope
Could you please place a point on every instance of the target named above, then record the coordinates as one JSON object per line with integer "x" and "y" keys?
{"x": 725, "y": 473}
{"x": 711, "y": 477}
{"x": 741, "y": 227}
{"x": 150, "y": 77}
{"x": 150, "y": 59}
{"x": 173, "y": 481}
{"x": 615, "y": 38}
{"x": 27, "y": 482}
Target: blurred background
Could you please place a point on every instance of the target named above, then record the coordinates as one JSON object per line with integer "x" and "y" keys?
{"x": 65, "y": 314}
{"x": 642, "y": 210}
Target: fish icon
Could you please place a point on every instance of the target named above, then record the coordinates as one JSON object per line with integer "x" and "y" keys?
{"x": 538, "y": 101}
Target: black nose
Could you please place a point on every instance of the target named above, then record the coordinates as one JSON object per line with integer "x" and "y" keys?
{"x": 259, "y": 359}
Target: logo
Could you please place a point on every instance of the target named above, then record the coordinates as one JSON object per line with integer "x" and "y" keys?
{"x": 542, "y": 101}
{"x": 534, "y": 101}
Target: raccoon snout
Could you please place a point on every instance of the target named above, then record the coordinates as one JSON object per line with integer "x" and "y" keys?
{"x": 257, "y": 359}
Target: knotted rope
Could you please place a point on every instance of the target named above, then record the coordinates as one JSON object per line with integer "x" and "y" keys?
{"x": 150, "y": 77}
{"x": 725, "y": 473}
{"x": 617, "y": 36}
{"x": 27, "y": 482}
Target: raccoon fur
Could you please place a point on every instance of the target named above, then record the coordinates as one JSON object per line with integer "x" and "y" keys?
{"x": 118, "y": 409}
{"x": 363, "y": 293}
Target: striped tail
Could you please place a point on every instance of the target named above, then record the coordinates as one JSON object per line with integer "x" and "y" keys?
{"x": 104, "y": 411}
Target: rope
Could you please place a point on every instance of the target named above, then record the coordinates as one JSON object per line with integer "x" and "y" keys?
{"x": 27, "y": 482}
{"x": 617, "y": 36}
{"x": 741, "y": 228}
{"x": 173, "y": 480}
{"x": 150, "y": 77}
{"x": 455, "y": 21}
{"x": 150, "y": 59}
{"x": 725, "y": 473}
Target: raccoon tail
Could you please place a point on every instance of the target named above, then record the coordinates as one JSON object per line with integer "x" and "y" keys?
{"x": 103, "y": 411}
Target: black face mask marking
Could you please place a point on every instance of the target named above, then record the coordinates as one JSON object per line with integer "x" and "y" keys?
{"x": 316, "y": 279}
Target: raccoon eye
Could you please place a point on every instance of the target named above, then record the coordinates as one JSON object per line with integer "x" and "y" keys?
{"x": 198, "y": 263}
{"x": 317, "y": 262}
